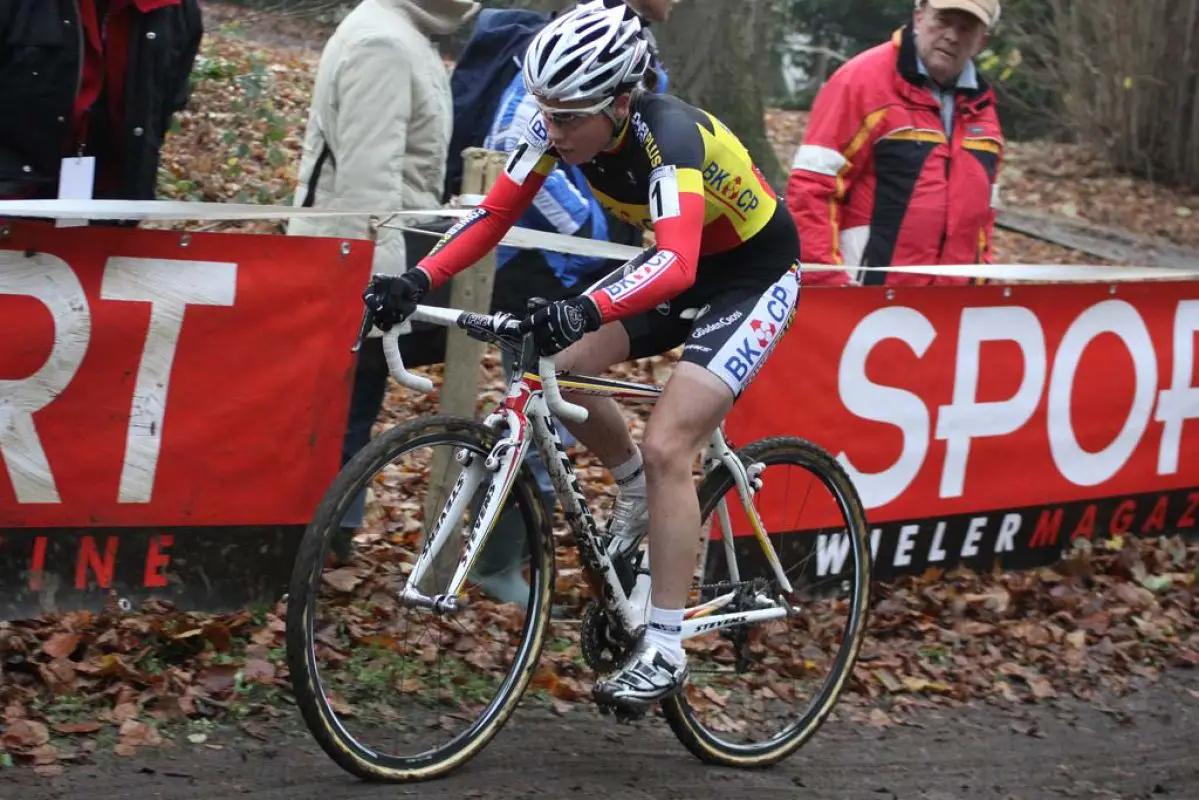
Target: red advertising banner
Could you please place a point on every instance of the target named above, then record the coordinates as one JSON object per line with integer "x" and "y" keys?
{"x": 1073, "y": 407}
{"x": 151, "y": 380}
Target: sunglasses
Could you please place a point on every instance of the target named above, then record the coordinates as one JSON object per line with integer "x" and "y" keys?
{"x": 567, "y": 117}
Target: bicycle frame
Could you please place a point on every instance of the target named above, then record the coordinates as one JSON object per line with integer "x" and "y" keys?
{"x": 525, "y": 416}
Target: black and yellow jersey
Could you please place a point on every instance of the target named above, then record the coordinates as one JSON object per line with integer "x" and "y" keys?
{"x": 674, "y": 169}
{"x": 669, "y": 147}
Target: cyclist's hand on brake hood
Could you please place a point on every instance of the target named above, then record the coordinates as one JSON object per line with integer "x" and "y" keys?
{"x": 560, "y": 324}
{"x": 393, "y": 298}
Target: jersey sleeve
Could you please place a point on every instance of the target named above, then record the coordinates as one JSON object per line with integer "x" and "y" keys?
{"x": 481, "y": 230}
{"x": 675, "y": 148}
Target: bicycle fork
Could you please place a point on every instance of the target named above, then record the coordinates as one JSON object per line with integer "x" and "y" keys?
{"x": 501, "y": 466}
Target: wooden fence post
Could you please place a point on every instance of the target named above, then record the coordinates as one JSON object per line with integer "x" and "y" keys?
{"x": 470, "y": 290}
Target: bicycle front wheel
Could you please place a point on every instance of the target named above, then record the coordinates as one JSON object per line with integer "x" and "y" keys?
{"x": 758, "y": 692}
{"x": 428, "y": 689}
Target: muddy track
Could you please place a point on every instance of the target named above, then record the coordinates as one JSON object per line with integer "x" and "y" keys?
{"x": 1144, "y": 745}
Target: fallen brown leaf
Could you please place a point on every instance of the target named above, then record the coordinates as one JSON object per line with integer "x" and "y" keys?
{"x": 61, "y": 645}
{"x": 343, "y": 579}
{"x": 218, "y": 679}
{"x": 218, "y": 635}
{"x": 44, "y": 755}
{"x": 24, "y": 734}
{"x": 124, "y": 712}
{"x": 59, "y": 676}
{"x": 1041, "y": 688}
{"x": 879, "y": 719}
{"x": 340, "y": 706}
{"x": 258, "y": 671}
{"x": 139, "y": 734}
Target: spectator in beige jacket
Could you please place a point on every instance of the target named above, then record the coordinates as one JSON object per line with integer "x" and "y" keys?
{"x": 377, "y": 138}
{"x": 379, "y": 124}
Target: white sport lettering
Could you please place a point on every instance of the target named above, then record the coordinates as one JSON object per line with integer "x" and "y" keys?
{"x": 52, "y": 281}
{"x": 1047, "y": 376}
{"x": 169, "y": 286}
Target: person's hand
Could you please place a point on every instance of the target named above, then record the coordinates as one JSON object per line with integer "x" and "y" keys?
{"x": 560, "y": 324}
{"x": 393, "y": 298}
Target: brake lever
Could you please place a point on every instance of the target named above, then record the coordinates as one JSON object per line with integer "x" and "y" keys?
{"x": 368, "y": 322}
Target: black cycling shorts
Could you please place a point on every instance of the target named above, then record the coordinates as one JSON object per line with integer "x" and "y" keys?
{"x": 729, "y": 320}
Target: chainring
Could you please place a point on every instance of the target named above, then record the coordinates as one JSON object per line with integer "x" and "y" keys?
{"x": 601, "y": 653}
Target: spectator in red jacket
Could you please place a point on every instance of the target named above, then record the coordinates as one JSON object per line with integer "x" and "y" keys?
{"x": 899, "y": 163}
{"x": 96, "y": 78}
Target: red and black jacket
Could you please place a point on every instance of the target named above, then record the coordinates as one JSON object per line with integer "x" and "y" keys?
{"x": 877, "y": 182}
{"x": 42, "y": 47}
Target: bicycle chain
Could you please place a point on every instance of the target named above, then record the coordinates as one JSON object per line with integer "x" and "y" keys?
{"x": 725, "y": 586}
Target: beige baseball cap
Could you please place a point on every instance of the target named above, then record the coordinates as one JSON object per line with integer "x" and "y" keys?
{"x": 986, "y": 10}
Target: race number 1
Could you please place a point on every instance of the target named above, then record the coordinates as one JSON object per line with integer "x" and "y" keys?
{"x": 522, "y": 161}
{"x": 664, "y": 193}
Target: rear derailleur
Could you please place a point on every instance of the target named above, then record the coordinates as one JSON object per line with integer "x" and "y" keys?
{"x": 748, "y": 598}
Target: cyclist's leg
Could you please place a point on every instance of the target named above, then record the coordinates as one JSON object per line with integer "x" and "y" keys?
{"x": 692, "y": 405}
{"x": 648, "y": 334}
{"x": 606, "y": 433}
{"x": 723, "y": 354}
{"x": 728, "y": 345}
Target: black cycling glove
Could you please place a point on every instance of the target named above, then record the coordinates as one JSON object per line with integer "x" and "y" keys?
{"x": 562, "y": 323}
{"x": 393, "y": 298}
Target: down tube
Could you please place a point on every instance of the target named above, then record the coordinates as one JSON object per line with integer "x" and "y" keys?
{"x": 566, "y": 484}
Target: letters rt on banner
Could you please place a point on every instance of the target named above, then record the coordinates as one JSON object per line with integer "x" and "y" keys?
{"x": 151, "y": 380}
{"x": 993, "y": 423}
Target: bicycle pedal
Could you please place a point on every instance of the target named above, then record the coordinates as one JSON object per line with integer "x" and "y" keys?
{"x": 622, "y": 713}
{"x": 625, "y": 716}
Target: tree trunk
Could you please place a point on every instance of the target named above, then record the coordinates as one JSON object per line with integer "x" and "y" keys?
{"x": 714, "y": 53}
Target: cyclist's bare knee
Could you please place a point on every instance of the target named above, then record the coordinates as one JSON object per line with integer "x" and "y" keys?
{"x": 693, "y": 404}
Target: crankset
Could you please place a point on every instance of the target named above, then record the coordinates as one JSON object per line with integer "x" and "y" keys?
{"x": 602, "y": 651}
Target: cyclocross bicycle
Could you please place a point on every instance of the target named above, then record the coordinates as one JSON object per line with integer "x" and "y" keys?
{"x": 422, "y": 556}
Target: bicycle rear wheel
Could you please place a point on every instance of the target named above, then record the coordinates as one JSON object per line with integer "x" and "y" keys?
{"x": 384, "y": 676}
{"x": 804, "y": 491}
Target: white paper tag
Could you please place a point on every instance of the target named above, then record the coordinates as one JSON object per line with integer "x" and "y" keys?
{"x": 76, "y": 180}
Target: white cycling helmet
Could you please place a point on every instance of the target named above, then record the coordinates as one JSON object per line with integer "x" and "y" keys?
{"x": 589, "y": 52}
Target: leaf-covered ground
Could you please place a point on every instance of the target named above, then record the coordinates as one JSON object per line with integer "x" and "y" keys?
{"x": 1103, "y": 620}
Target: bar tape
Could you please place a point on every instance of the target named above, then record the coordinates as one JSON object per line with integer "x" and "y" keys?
{"x": 529, "y": 239}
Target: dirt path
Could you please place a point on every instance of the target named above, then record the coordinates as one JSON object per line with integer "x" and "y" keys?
{"x": 1145, "y": 745}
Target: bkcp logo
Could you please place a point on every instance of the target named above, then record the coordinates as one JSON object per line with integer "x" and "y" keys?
{"x": 730, "y": 187}
{"x": 763, "y": 330}
{"x": 745, "y": 351}
{"x": 636, "y": 277}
